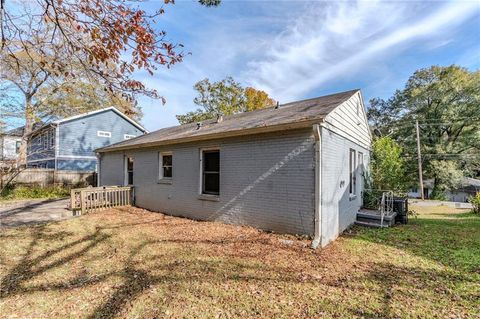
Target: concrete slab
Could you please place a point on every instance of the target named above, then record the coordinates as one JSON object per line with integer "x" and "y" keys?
{"x": 28, "y": 212}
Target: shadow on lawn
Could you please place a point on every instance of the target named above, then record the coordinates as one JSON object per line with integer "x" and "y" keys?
{"x": 29, "y": 268}
{"x": 135, "y": 279}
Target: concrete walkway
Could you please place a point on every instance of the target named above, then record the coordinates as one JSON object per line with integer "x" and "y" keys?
{"x": 28, "y": 212}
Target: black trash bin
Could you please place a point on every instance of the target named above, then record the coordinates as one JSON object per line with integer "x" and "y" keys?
{"x": 400, "y": 206}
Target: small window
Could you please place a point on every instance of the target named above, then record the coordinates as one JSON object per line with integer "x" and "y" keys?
{"x": 211, "y": 172}
{"x": 45, "y": 140}
{"x": 128, "y": 136}
{"x": 17, "y": 146}
{"x": 104, "y": 134}
{"x": 51, "y": 138}
{"x": 353, "y": 178}
{"x": 128, "y": 170}
{"x": 166, "y": 167}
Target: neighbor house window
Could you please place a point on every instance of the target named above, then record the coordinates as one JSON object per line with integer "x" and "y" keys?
{"x": 128, "y": 136}
{"x": 104, "y": 134}
{"x": 128, "y": 170}
{"x": 45, "y": 140}
{"x": 353, "y": 178}
{"x": 51, "y": 140}
{"x": 17, "y": 146}
{"x": 211, "y": 172}
{"x": 166, "y": 167}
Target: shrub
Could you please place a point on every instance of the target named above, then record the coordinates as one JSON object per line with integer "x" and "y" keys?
{"x": 475, "y": 201}
{"x": 26, "y": 192}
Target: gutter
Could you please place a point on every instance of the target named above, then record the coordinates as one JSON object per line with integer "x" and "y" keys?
{"x": 318, "y": 187}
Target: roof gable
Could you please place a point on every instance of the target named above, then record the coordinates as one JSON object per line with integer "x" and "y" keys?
{"x": 115, "y": 110}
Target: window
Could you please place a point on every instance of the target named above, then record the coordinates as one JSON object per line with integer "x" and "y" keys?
{"x": 104, "y": 134}
{"x": 45, "y": 140}
{"x": 211, "y": 172}
{"x": 360, "y": 163}
{"x": 17, "y": 146}
{"x": 51, "y": 140}
{"x": 353, "y": 178}
{"x": 166, "y": 168}
{"x": 128, "y": 136}
{"x": 128, "y": 170}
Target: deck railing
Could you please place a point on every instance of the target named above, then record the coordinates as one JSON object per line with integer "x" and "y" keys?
{"x": 96, "y": 198}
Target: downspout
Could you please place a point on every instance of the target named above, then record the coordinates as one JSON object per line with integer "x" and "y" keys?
{"x": 318, "y": 186}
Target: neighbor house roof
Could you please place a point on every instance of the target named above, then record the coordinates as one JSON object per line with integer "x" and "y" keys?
{"x": 287, "y": 116}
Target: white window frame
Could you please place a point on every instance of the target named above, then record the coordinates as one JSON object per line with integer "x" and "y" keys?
{"x": 352, "y": 163}
{"x": 104, "y": 134}
{"x": 45, "y": 140}
{"x": 128, "y": 136}
{"x": 51, "y": 139}
{"x": 201, "y": 193}
{"x": 160, "y": 166}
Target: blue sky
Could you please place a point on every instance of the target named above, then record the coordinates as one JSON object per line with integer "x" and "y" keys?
{"x": 299, "y": 49}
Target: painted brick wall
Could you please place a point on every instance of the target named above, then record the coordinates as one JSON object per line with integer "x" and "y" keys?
{"x": 266, "y": 181}
{"x": 338, "y": 209}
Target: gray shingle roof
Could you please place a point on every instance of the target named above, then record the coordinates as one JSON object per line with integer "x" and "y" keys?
{"x": 294, "y": 114}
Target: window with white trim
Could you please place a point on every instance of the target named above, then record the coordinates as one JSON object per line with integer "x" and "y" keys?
{"x": 353, "y": 177}
{"x": 45, "y": 140}
{"x": 165, "y": 165}
{"x": 128, "y": 136}
{"x": 51, "y": 140}
{"x": 18, "y": 144}
{"x": 211, "y": 172}
{"x": 104, "y": 134}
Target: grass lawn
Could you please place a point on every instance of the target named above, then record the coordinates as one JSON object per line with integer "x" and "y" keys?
{"x": 136, "y": 264}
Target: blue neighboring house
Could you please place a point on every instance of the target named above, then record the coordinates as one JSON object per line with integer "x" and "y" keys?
{"x": 70, "y": 144}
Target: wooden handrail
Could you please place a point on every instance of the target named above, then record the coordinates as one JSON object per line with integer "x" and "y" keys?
{"x": 96, "y": 198}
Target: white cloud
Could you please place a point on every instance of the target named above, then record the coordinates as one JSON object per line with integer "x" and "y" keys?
{"x": 291, "y": 49}
{"x": 333, "y": 39}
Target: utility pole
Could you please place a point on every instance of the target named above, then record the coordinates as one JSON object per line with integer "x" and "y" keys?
{"x": 419, "y": 156}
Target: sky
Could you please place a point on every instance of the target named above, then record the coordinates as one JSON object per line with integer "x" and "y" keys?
{"x": 302, "y": 49}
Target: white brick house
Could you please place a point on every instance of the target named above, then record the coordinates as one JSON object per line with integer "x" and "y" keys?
{"x": 296, "y": 168}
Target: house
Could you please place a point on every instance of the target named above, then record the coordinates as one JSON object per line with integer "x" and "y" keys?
{"x": 296, "y": 168}
{"x": 467, "y": 188}
{"x": 70, "y": 143}
{"x": 10, "y": 142}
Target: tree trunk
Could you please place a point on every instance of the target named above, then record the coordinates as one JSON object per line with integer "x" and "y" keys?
{"x": 29, "y": 121}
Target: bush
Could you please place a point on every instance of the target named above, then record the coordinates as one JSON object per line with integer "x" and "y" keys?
{"x": 26, "y": 192}
{"x": 475, "y": 201}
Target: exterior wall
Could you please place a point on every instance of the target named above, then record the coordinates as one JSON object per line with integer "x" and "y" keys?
{"x": 8, "y": 147}
{"x": 37, "y": 150}
{"x": 266, "y": 181}
{"x": 78, "y": 139}
{"x": 339, "y": 209}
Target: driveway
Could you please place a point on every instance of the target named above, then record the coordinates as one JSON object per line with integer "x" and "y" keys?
{"x": 28, "y": 212}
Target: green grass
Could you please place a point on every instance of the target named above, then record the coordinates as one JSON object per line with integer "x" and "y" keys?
{"x": 131, "y": 263}
{"x": 34, "y": 192}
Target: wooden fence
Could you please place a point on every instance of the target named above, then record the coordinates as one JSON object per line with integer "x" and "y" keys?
{"x": 47, "y": 177}
{"x": 96, "y": 198}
